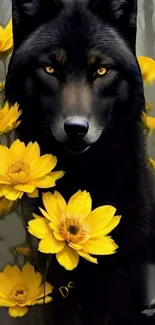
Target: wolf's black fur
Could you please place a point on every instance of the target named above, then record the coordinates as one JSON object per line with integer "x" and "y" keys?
{"x": 115, "y": 167}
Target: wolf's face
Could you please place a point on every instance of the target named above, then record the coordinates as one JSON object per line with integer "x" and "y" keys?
{"x": 73, "y": 69}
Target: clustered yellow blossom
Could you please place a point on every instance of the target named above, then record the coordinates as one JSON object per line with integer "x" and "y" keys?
{"x": 20, "y": 289}
{"x": 73, "y": 230}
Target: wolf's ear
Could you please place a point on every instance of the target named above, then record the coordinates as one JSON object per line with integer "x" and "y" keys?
{"x": 120, "y": 13}
{"x": 28, "y": 14}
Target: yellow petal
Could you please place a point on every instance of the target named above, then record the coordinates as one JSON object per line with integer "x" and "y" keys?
{"x": 50, "y": 245}
{"x": 77, "y": 247}
{"x": 7, "y": 302}
{"x": 5, "y": 180}
{"x": 49, "y": 180}
{"x": 25, "y": 188}
{"x": 31, "y": 279}
{"x": 52, "y": 207}
{"x": 57, "y": 235}
{"x": 150, "y": 122}
{"x": 45, "y": 214}
{"x": 100, "y": 246}
{"x": 111, "y": 225}
{"x": 11, "y": 193}
{"x": 6, "y": 39}
{"x": 4, "y": 154}
{"x": 36, "y": 216}
{"x": 5, "y": 285}
{"x": 17, "y": 124}
{"x": 34, "y": 194}
{"x": 34, "y": 233}
{"x": 68, "y": 258}
{"x": 88, "y": 257}
{"x": 43, "y": 166}
{"x": 17, "y": 149}
{"x": 17, "y": 311}
{"x": 57, "y": 175}
{"x": 1, "y": 194}
{"x": 60, "y": 201}
{"x": 12, "y": 272}
{"x": 39, "y": 226}
{"x": 32, "y": 153}
{"x": 147, "y": 66}
{"x": 99, "y": 218}
{"x": 80, "y": 204}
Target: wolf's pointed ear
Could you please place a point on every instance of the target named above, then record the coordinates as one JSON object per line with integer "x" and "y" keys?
{"x": 120, "y": 13}
{"x": 28, "y": 14}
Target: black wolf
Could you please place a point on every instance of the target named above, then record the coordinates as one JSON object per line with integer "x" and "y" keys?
{"x": 75, "y": 74}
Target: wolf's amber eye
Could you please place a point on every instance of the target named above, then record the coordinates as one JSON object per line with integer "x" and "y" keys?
{"x": 49, "y": 70}
{"x": 101, "y": 71}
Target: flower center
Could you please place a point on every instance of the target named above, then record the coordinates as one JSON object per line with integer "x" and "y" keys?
{"x": 20, "y": 294}
{"x": 73, "y": 231}
{"x": 18, "y": 171}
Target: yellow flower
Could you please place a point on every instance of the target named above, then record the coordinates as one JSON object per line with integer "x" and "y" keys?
{"x": 23, "y": 170}
{"x": 74, "y": 230}
{"x": 147, "y": 66}
{"x": 6, "y": 38}
{"x": 5, "y": 206}
{"x": 20, "y": 289}
{"x": 8, "y": 118}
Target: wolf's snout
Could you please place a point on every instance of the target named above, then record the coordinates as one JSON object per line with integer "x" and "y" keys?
{"x": 76, "y": 127}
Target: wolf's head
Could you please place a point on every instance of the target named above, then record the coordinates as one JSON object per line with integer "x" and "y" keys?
{"x": 74, "y": 69}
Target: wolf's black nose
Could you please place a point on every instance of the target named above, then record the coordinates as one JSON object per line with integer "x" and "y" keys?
{"x": 76, "y": 127}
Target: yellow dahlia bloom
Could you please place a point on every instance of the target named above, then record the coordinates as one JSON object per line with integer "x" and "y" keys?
{"x": 9, "y": 117}
{"x": 5, "y": 206}
{"x": 73, "y": 230}
{"x": 6, "y": 38}
{"x": 20, "y": 289}
{"x": 147, "y": 66}
{"x": 23, "y": 170}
